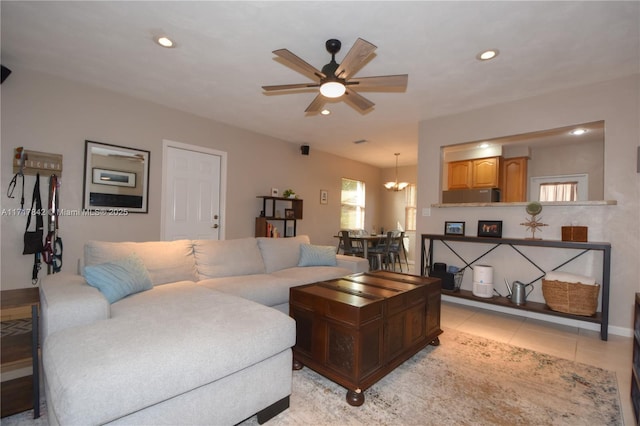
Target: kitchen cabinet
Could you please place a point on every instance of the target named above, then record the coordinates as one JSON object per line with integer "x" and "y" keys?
{"x": 459, "y": 175}
{"x": 474, "y": 174}
{"x": 514, "y": 186}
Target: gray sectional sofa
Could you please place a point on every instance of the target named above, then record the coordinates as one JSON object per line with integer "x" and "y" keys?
{"x": 208, "y": 342}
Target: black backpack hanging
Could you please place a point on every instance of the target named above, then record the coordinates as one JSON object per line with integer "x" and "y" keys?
{"x": 33, "y": 239}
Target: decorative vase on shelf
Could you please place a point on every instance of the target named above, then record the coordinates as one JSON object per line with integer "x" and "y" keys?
{"x": 534, "y": 208}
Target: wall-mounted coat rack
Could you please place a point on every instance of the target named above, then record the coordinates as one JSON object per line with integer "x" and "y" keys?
{"x": 33, "y": 162}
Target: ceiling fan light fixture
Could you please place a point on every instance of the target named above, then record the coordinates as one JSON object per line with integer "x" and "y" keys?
{"x": 332, "y": 89}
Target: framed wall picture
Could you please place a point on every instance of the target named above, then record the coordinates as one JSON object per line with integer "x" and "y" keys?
{"x": 114, "y": 177}
{"x": 275, "y": 192}
{"x": 490, "y": 228}
{"x": 324, "y": 196}
{"x": 454, "y": 228}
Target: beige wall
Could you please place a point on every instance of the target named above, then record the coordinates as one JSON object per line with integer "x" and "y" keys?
{"x": 571, "y": 159}
{"x": 617, "y": 103}
{"x": 48, "y": 114}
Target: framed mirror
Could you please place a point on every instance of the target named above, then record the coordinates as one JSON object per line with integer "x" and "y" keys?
{"x": 116, "y": 178}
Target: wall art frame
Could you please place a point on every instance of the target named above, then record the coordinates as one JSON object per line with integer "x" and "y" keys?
{"x": 454, "y": 228}
{"x": 490, "y": 228}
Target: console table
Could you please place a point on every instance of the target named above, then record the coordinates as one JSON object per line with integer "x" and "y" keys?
{"x": 601, "y": 317}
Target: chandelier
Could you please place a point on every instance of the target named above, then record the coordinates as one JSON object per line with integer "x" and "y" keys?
{"x": 396, "y": 186}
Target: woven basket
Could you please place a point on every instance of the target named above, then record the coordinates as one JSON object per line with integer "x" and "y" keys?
{"x": 571, "y": 298}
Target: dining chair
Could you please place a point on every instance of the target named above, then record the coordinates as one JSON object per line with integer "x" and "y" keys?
{"x": 379, "y": 255}
{"x": 398, "y": 250}
{"x": 350, "y": 247}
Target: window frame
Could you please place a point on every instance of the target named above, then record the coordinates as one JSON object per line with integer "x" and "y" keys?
{"x": 357, "y": 208}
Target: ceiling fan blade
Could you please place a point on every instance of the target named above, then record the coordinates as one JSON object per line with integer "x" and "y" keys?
{"x": 317, "y": 104}
{"x": 358, "y": 53}
{"x": 357, "y": 101}
{"x": 289, "y": 86}
{"x": 387, "y": 81}
{"x": 298, "y": 62}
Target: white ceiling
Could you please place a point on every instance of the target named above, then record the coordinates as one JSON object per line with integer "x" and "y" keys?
{"x": 223, "y": 57}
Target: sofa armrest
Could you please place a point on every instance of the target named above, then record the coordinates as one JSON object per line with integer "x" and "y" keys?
{"x": 353, "y": 263}
{"x": 66, "y": 300}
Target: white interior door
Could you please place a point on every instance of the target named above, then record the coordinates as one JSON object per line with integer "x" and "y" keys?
{"x": 193, "y": 192}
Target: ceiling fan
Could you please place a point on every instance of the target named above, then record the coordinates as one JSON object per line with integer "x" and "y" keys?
{"x": 335, "y": 79}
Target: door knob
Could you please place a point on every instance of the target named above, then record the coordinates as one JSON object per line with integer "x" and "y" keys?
{"x": 215, "y": 226}
{"x": 215, "y": 216}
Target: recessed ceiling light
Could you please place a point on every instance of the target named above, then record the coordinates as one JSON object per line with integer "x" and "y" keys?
{"x": 487, "y": 54}
{"x": 165, "y": 41}
{"x": 325, "y": 112}
{"x": 578, "y": 132}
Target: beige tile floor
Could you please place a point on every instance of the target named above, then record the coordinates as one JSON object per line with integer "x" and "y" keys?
{"x": 554, "y": 339}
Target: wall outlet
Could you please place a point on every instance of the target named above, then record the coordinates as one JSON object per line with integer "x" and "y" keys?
{"x": 426, "y": 211}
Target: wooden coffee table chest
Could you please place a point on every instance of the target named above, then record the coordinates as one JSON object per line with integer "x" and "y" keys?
{"x": 355, "y": 330}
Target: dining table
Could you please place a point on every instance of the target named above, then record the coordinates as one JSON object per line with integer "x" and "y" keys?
{"x": 365, "y": 241}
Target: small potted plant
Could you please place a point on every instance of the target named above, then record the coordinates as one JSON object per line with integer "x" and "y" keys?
{"x": 289, "y": 193}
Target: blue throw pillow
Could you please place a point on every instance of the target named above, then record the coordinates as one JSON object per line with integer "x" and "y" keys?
{"x": 119, "y": 278}
{"x": 311, "y": 255}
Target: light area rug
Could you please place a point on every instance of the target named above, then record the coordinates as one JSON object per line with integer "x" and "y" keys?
{"x": 467, "y": 380}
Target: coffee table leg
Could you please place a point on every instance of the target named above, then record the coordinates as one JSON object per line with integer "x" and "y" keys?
{"x": 355, "y": 397}
{"x": 297, "y": 365}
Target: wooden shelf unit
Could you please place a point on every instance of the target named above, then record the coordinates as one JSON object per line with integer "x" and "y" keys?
{"x": 20, "y": 351}
{"x": 601, "y": 317}
{"x": 271, "y": 206}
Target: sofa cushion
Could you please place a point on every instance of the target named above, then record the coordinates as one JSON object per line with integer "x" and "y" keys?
{"x": 266, "y": 289}
{"x": 227, "y": 258}
{"x": 166, "y": 261}
{"x": 160, "y": 298}
{"x": 281, "y": 253}
{"x": 119, "y": 278}
{"x": 311, "y": 255}
{"x": 102, "y": 372}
